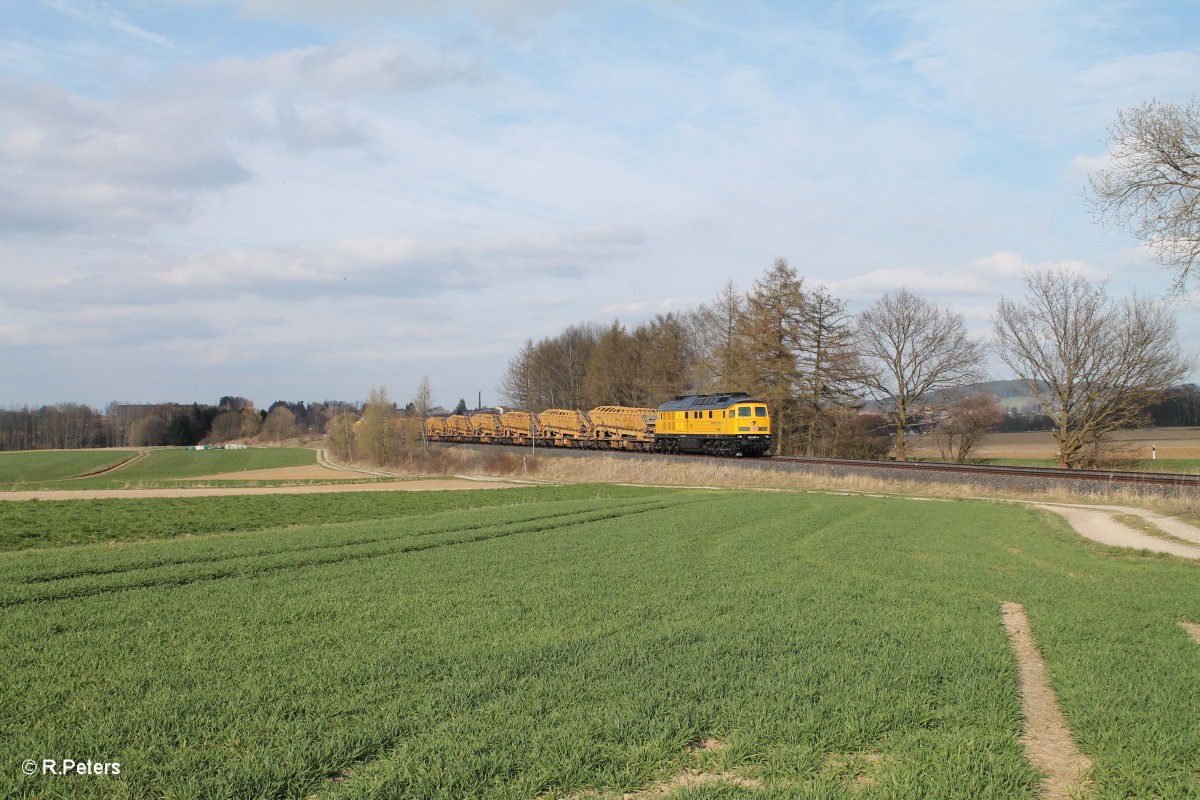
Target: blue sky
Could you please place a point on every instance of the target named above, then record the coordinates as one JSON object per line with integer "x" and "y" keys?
{"x": 297, "y": 199}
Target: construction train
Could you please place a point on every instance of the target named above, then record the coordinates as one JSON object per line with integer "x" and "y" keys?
{"x": 730, "y": 424}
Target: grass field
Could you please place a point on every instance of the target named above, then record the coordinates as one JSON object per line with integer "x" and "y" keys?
{"x": 53, "y": 465}
{"x": 169, "y": 466}
{"x": 54, "y": 523}
{"x": 557, "y": 641}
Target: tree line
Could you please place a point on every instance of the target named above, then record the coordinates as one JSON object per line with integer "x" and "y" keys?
{"x": 840, "y": 384}
{"x": 75, "y": 425}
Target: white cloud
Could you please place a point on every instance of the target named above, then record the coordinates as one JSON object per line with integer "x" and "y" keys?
{"x": 103, "y": 14}
{"x": 989, "y": 276}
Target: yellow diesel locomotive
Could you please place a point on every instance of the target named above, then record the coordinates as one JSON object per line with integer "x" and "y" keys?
{"x": 733, "y": 424}
{"x": 729, "y": 424}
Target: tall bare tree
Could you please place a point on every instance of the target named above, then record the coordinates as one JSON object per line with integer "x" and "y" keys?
{"x": 831, "y": 374}
{"x": 560, "y": 363}
{"x": 765, "y": 362}
{"x": 1093, "y": 364}
{"x": 280, "y": 424}
{"x": 716, "y": 330}
{"x": 422, "y": 403}
{"x": 612, "y": 370}
{"x": 1152, "y": 184}
{"x": 518, "y": 385}
{"x": 377, "y": 440}
{"x": 914, "y": 352}
{"x": 666, "y": 354}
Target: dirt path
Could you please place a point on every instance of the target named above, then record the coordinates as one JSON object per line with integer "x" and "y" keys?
{"x": 307, "y": 472}
{"x": 431, "y": 485}
{"x": 1047, "y": 738}
{"x": 1097, "y": 523}
{"x": 325, "y": 461}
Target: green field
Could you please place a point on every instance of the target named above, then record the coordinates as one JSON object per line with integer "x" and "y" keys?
{"x": 38, "y": 466}
{"x": 169, "y": 466}
{"x": 53, "y": 523}
{"x": 553, "y": 641}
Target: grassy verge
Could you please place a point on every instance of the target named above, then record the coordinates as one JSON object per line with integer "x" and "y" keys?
{"x": 839, "y": 647}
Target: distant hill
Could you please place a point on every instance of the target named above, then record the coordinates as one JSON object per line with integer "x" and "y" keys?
{"x": 1002, "y": 389}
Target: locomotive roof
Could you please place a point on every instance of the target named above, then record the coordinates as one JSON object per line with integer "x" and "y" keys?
{"x": 706, "y": 401}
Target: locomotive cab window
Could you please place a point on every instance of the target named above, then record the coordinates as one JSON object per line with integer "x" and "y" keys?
{"x": 744, "y": 411}
{"x": 760, "y": 411}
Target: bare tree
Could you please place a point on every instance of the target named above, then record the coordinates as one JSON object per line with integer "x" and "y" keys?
{"x": 716, "y": 330}
{"x": 1093, "y": 364}
{"x": 377, "y": 440}
{"x": 1153, "y": 182}
{"x": 341, "y": 435}
{"x": 226, "y": 426}
{"x": 280, "y": 424}
{"x": 612, "y": 370}
{"x": 422, "y": 403}
{"x": 914, "y": 351}
{"x": 831, "y": 372}
{"x": 517, "y": 384}
{"x": 768, "y": 341}
{"x": 967, "y": 419}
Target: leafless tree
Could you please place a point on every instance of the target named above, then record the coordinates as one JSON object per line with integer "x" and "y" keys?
{"x": 768, "y": 342}
{"x": 279, "y": 425}
{"x": 1094, "y": 364}
{"x": 377, "y": 441}
{"x": 831, "y": 373}
{"x": 149, "y": 431}
{"x": 226, "y": 426}
{"x": 716, "y": 325}
{"x": 913, "y": 352}
{"x": 1153, "y": 183}
{"x": 966, "y": 420}
{"x": 422, "y": 403}
{"x": 517, "y": 385}
{"x": 341, "y": 434}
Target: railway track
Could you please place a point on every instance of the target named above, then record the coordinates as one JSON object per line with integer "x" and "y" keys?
{"x": 1171, "y": 479}
{"x": 1021, "y": 478}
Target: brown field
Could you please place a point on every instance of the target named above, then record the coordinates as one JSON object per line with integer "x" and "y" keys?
{"x": 1171, "y": 443}
{"x": 310, "y": 472}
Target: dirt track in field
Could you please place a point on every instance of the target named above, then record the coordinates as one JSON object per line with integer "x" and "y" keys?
{"x": 431, "y": 485}
{"x": 309, "y": 472}
{"x": 1047, "y": 738}
{"x": 1097, "y": 523}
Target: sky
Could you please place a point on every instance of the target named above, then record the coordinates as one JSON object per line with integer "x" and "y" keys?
{"x": 304, "y": 199}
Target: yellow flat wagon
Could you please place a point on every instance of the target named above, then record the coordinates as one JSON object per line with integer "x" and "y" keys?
{"x": 623, "y": 427}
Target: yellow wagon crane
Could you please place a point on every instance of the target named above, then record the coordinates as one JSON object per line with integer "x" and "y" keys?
{"x": 565, "y": 427}
{"x": 435, "y": 428}
{"x": 623, "y": 427}
{"x": 487, "y": 427}
{"x": 517, "y": 426}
